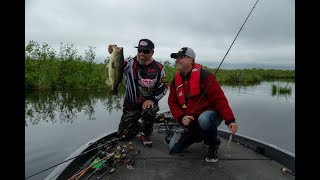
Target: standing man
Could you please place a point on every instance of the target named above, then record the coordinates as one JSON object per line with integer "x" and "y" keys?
{"x": 198, "y": 120}
{"x": 145, "y": 85}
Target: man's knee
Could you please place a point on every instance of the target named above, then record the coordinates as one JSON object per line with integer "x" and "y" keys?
{"x": 208, "y": 120}
{"x": 129, "y": 125}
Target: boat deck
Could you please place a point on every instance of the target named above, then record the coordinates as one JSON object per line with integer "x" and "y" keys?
{"x": 237, "y": 162}
{"x": 244, "y": 159}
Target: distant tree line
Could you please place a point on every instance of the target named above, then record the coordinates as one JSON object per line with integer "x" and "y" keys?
{"x": 47, "y": 69}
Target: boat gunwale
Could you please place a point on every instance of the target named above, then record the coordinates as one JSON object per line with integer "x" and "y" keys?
{"x": 279, "y": 155}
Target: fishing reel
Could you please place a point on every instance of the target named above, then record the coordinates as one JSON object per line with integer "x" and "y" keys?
{"x": 167, "y": 124}
{"x": 101, "y": 154}
{"x": 168, "y": 139}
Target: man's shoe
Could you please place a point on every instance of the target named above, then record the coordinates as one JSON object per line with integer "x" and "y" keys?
{"x": 145, "y": 139}
{"x": 212, "y": 155}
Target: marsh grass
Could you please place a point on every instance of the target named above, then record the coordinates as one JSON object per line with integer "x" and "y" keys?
{"x": 282, "y": 90}
{"x": 47, "y": 69}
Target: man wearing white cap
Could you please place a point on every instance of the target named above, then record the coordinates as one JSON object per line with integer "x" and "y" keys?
{"x": 200, "y": 119}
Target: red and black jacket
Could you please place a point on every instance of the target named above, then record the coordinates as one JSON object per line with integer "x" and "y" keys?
{"x": 136, "y": 76}
{"x": 185, "y": 93}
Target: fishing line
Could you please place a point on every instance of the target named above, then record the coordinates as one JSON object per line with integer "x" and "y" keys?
{"x": 224, "y": 58}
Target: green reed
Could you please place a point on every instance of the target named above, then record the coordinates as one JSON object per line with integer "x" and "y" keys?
{"x": 47, "y": 69}
{"x": 282, "y": 90}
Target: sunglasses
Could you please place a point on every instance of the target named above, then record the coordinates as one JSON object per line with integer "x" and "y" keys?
{"x": 145, "y": 51}
{"x": 182, "y": 57}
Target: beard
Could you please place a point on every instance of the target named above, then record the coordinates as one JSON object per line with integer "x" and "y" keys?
{"x": 142, "y": 60}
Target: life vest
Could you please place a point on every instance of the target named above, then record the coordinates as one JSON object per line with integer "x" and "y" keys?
{"x": 194, "y": 83}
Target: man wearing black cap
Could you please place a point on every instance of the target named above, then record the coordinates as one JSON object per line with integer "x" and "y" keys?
{"x": 145, "y": 86}
{"x": 198, "y": 114}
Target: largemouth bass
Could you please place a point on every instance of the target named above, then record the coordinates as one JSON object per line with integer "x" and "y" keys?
{"x": 115, "y": 69}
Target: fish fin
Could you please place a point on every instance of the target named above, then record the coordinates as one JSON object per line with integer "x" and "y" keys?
{"x": 108, "y": 82}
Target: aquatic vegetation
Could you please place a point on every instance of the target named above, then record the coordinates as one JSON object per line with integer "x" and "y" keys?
{"x": 46, "y": 69}
{"x": 277, "y": 89}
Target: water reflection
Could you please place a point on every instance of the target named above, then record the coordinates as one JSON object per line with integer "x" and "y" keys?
{"x": 65, "y": 105}
{"x": 240, "y": 83}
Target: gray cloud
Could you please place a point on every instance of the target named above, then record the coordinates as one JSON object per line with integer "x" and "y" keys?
{"x": 208, "y": 26}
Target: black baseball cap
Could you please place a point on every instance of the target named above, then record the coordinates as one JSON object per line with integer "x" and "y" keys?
{"x": 145, "y": 44}
{"x": 185, "y": 51}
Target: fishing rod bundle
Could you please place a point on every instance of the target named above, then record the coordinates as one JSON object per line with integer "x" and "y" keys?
{"x": 98, "y": 149}
{"x": 106, "y": 161}
{"x": 94, "y": 146}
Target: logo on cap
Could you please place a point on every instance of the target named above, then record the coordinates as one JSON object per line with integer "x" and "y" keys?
{"x": 180, "y": 50}
{"x": 143, "y": 43}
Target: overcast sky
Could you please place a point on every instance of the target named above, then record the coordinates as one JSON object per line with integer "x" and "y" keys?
{"x": 207, "y": 26}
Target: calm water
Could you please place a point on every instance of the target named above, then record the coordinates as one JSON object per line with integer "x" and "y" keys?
{"x": 57, "y": 123}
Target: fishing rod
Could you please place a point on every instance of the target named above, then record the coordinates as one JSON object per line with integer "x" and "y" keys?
{"x": 185, "y": 129}
{"x": 114, "y": 140}
{"x": 137, "y": 153}
{"x": 84, "y": 166}
{"x": 224, "y": 57}
{"x": 82, "y": 172}
{"x": 108, "y": 142}
{"x": 107, "y": 157}
{"x": 88, "y": 162}
{"x": 125, "y": 148}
